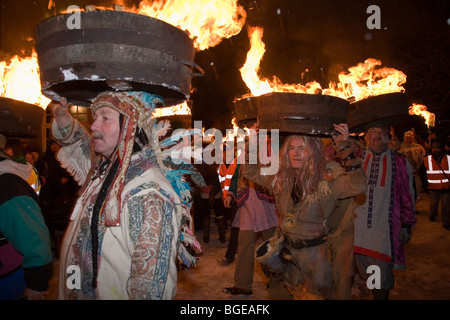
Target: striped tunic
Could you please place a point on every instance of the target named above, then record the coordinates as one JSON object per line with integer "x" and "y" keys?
{"x": 385, "y": 207}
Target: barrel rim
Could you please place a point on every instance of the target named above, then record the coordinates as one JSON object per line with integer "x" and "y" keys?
{"x": 398, "y": 103}
{"x": 304, "y": 94}
{"x": 370, "y": 99}
{"x": 314, "y": 123}
{"x": 244, "y": 114}
{"x": 173, "y": 88}
{"x": 100, "y": 12}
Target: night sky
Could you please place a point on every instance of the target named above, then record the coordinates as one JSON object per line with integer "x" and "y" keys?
{"x": 328, "y": 37}
{"x": 323, "y": 37}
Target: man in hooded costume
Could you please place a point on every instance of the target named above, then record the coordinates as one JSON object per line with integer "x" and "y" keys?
{"x": 125, "y": 231}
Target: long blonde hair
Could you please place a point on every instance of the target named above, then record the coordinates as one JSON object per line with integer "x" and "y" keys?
{"x": 309, "y": 175}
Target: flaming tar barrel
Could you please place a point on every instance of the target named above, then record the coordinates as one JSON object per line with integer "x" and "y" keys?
{"x": 245, "y": 110}
{"x": 303, "y": 113}
{"x": 389, "y": 108}
{"x": 114, "y": 50}
{"x": 20, "y": 119}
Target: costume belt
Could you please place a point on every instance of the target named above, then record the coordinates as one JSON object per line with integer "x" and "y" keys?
{"x": 300, "y": 244}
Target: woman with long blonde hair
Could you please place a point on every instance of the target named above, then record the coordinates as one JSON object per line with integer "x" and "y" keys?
{"x": 306, "y": 177}
{"x": 312, "y": 250}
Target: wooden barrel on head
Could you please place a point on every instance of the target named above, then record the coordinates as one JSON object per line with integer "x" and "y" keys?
{"x": 301, "y": 113}
{"x": 114, "y": 51}
{"x": 388, "y": 108}
{"x": 20, "y": 119}
{"x": 245, "y": 110}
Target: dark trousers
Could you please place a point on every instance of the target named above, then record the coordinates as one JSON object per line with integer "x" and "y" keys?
{"x": 219, "y": 217}
{"x": 234, "y": 234}
{"x": 198, "y": 214}
{"x": 443, "y": 197}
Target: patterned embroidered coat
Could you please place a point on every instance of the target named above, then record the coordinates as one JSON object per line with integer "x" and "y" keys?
{"x": 386, "y": 206}
{"x": 136, "y": 260}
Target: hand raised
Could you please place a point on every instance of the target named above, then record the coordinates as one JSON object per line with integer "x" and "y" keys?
{"x": 61, "y": 113}
{"x": 342, "y": 128}
{"x": 60, "y": 108}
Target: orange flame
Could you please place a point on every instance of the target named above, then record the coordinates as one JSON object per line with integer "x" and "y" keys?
{"x": 362, "y": 81}
{"x": 50, "y": 5}
{"x": 421, "y": 110}
{"x": 236, "y": 134}
{"x": 179, "y": 109}
{"x": 208, "y": 22}
{"x": 249, "y": 70}
{"x": 20, "y": 80}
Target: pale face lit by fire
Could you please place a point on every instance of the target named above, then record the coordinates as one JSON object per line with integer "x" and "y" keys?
{"x": 297, "y": 151}
{"x": 408, "y": 137}
{"x": 105, "y": 131}
{"x": 377, "y": 138}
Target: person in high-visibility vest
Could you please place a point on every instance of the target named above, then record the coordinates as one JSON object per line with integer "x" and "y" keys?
{"x": 437, "y": 166}
{"x": 225, "y": 172}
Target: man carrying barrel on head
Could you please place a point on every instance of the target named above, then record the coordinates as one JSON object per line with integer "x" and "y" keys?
{"x": 385, "y": 213}
{"x": 124, "y": 231}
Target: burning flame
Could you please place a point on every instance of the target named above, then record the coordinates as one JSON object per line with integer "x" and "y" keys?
{"x": 362, "y": 81}
{"x": 206, "y": 21}
{"x": 236, "y": 134}
{"x": 179, "y": 109}
{"x": 249, "y": 70}
{"x": 421, "y": 110}
{"x": 51, "y": 4}
{"x": 20, "y": 80}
